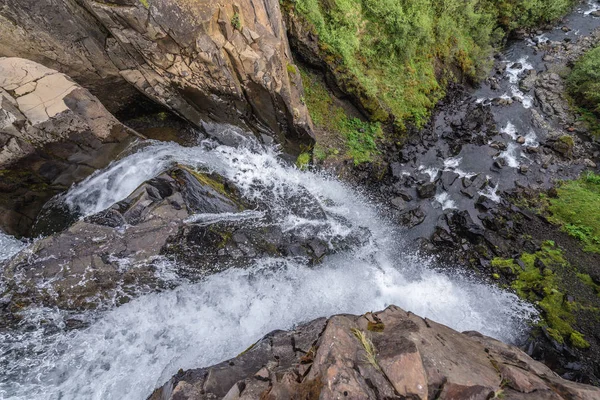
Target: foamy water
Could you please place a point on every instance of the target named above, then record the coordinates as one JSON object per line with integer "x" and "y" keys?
{"x": 129, "y": 350}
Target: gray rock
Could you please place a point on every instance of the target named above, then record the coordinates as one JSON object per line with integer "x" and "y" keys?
{"x": 426, "y": 190}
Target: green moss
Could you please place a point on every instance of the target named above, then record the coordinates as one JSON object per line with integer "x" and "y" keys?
{"x": 568, "y": 140}
{"x": 496, "y": 276}
{"x": 577, "y": 210}
{"x": 303, "y": 160}
{"x": 236, "y": 21}
{"x": 359, "y": 137}
{"x": 588, "y": 281}
{"x": 291, "y": 69}
{"x": 145, "y": 3}
{"x": 578, "y": 341}
{"x": 541, "y": 286}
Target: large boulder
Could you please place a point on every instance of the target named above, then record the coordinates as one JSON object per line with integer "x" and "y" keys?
{"x": 225, "y": 61}
{"x": 179, "y": 226}
{"x": 391, "y": 354}
{"x": 52, "y": 133}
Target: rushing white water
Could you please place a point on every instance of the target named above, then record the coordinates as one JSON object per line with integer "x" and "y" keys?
{"x": 9, "y": 246}
{"x": 126, "y": 352}
{"x": 445, "y": 201}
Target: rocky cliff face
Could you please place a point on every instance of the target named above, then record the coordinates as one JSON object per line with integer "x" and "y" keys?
{"x": 391, "y": 354}
{"x": 227, "y": 62}
{"x": 52, "y": 133}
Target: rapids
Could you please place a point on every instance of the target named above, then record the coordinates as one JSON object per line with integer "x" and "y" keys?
{"x": 130, "y": 349}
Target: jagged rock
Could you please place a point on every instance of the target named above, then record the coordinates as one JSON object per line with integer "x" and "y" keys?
{"x": 196, "y": 222}
{"x": 52, "y": 133}
{"x": 225, "y": 61}
{"x": 427, "y": 190}
{"x": 448, "y": 178}
{"x": 388, "y": 354}
{"x": 528, "y": 83}
{"x": 65, "y": 270}
{"x": 412, "y": 218}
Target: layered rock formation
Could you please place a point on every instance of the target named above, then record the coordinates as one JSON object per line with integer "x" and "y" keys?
{"x": 391, "y": 354}
{"x": 227, "y": 62}
{"x": 189, "y": 222}
{"x": 52, "y": 133}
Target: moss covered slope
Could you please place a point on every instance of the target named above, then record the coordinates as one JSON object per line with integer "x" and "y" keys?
{"x": 396, "y": 57}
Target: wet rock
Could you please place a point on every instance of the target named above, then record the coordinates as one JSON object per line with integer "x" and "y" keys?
{"x": 516, "y": 65}
{"x": 564, "y": 145}
{"x": 500, "y": 162}
{"x": 426, "y": 190}
{"x": 523, "y": 169}
{"x": 412, "y": 217}
{"x": 595, "y": 13}
{"x": 53, "y": 133}
{"x": 448, "y": 178}
{"x": 498, "y": 145}
{"x": 521, "y": 140}
{"x": 462, "y": 223}
{"x": 529, "y": 81}
{"x": 410, "y": 357}
{"x": 474, "y": 185}
{"x": 191, "y": 222}
{"x": 589, "y": 163}
{"x": 398, "y": 203}
{"x": 485, "y": 203}
{"x": 225, "y": 61}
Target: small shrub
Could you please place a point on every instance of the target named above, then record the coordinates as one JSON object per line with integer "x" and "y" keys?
{"x": 236, "y": 22}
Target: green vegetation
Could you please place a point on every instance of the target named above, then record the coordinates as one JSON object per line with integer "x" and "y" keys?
{"x": 587, "y": 280}
{"x": 291, "y": 69}
{"x": 358, "y": 137}
{"x": 577, "y": 210}
{"x": 303, "y": 160}
{"x": 236, "y": 21}
{"x": 396, "y": 56}
{"x": 145, "y": 3}
{"x": 367, "y": 344}
{"x": 584, "y": 87}
{"x": 536, "y": 281}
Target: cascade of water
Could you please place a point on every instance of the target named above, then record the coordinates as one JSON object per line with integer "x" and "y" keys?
{"x": 129, "y": 350}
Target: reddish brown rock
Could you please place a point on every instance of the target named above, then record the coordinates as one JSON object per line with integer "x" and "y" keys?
{"x": 392, "y": 354}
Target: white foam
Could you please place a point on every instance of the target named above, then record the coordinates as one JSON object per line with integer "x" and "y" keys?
{"x": 211, "y": 218}
{"x": 592, "y": 6}
{"x": 510, "y": 155}
{"x": 128, "y": 351}
{"x": 491, "y": 193}
{"x": 431, "y": 171}
{"x": 445, "y": 201}
{"x": 9, "y": 246}
{"x": 513, "y": 74}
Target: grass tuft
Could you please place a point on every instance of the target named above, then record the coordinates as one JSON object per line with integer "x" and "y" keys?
{"x": 367, "y": 344}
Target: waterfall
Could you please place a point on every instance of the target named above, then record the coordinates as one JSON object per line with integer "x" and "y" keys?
{"x": 128, "y": 350}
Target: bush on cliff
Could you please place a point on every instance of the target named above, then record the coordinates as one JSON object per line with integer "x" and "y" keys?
{"x": 584, "y": 81}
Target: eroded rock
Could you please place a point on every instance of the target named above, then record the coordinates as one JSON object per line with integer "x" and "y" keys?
{"x": 52, "y": 133}
{"x": 383, "y": 355}
{"x": 226, "y": 62}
